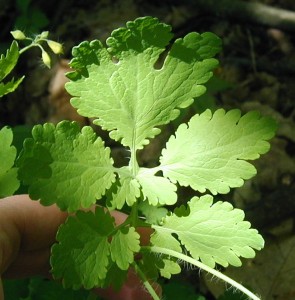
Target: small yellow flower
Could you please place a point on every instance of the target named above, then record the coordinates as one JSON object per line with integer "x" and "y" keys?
{"x": 55, "y": 47}
{"x": 18, "y": 35}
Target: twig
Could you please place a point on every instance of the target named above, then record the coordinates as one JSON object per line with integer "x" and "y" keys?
{"x": 250, "y": 12}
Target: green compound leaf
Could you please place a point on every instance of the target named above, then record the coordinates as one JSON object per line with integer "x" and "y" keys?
{"x": 123, "y": 246}
{"x": 66, "y": 166}
{"x": 213, "y": 233}
{"x": 120, "y": 87}
{"x": 9, "y": 87}
{"x": 8, "y": 61}
{"x": 210, "y": 152}
{"x": 82, "y": 255}
{"x": 8, "y": 174}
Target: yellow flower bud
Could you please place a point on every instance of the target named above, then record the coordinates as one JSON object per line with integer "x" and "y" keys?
{"x": 55, "y": 47}
{"x": 18, "y": 35}
{"x": 46, "y": 58}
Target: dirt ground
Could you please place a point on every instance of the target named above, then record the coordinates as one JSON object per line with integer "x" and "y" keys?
{"x": 257, "y": 71}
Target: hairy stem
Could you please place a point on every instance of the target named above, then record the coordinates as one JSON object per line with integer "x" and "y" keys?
{"x": 204, "y": 267}
{"x": 146, "y": 283}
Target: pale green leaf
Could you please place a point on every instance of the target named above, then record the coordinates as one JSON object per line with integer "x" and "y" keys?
{"x": 210, "y": 152}
{"x": 213, "y": 233}
{"x": 127, "y": 191}
{"x": 164, "y": 239}
{"x": 150, "y": 184}
{"x": 125, "y": 243}
{"x": 170, "y": 268}
{"x": 82, "y": 255}
{"x": 153, "y": 214}
{"x": 8, "y": 61}
{"x": 66, "y": 166}
{"x": 9, "y": 87}
{"x": 125, "y": 93}
{"x": 8, "y": 174}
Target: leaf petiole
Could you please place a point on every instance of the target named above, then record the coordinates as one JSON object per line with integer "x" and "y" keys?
{"x": 145, "y": 281}
{"x": 204, "y": 267}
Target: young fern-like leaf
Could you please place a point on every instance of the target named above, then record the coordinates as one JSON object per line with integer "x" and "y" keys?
{"x": 141, "y": 96}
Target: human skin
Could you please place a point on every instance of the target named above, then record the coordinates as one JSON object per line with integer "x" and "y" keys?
{"x": 27, "y": 232}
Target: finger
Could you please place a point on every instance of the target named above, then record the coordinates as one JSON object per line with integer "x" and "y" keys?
{"x": 145, "y": 235}
{"x": 35, "y": 224}
{"x": 29, "y": 263}
{"x": 26, "y": 226}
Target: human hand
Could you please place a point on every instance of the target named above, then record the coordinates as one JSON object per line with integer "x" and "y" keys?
{"x": 27, "y": 232}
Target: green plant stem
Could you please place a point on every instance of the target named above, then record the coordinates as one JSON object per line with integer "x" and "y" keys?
{"x": 30, "y": 46}
{"x": 203, "y": 267}
{"x": 134, "y": 214}
{"x": 26, "y": 48}
{"x": 146, "y": 283}
{"x": 122, "y": 225}
{"x": 133, "y": 164}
